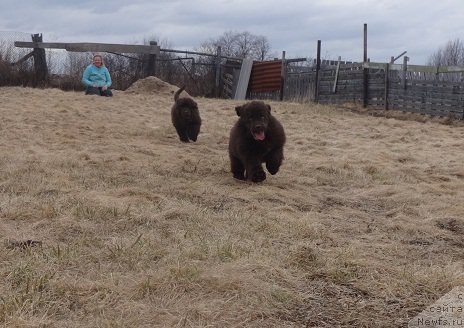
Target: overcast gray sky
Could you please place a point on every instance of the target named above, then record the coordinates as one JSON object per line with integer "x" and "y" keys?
{"x": 416, "y": 26}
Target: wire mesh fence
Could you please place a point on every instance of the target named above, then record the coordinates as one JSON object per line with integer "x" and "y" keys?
{"x": 65, "y": 68}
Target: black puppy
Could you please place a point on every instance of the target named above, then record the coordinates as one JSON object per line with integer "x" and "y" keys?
{"x": 185, "y": 117}
{"x": 257, "y": 137}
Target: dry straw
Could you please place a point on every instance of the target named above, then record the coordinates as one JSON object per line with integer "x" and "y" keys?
{"x": 362, "y": 227}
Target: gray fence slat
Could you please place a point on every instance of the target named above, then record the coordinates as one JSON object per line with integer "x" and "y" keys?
{"x": 243, "y": 79}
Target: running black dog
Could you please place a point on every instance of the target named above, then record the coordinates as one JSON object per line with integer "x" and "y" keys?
{"x": 256, "y": 138}
{"x": 185, "y": 117}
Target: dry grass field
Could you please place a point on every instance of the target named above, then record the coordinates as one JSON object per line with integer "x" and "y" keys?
{"x": 362, "y": 227}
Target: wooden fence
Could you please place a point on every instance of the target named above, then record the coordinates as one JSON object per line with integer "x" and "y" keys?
{"x": 437, "y": 91}
{"x": 151, "y": 55}
{"x": 39, "y": 47}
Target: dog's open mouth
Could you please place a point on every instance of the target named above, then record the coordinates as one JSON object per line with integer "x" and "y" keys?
{"x": 259, "y": 135}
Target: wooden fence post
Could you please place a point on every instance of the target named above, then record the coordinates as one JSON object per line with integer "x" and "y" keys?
{"x": 318, "y": 68}
{"x": 387, "y": 81}
{"x": 151, "y": 65}
{"x": 218, "y": 72}
{"x": 194, "y": 70}
{"x": 282, "y": 76}
{"x": 40, "y": 61}
{"x": 365, "y": 70}
{"x": 405, "y": 68}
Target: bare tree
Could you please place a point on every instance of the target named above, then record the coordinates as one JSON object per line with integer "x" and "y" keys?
{"x": 262, "y": 48}
{"x": 227, "y": 42}
{"x": 451, "y": 54}
{"x": 244, "y": 45}
{"x": 240, "y": 45}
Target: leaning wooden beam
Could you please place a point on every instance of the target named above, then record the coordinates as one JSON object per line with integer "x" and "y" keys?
{"x": 334, "y": 90}
{"x": 22, "y": 60}
{"x": 92, "y": 47}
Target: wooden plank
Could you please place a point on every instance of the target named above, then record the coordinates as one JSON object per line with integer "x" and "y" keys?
{"x": 282, "y": 76}
{"x": 22, "y": 60}
{"x": 429, "y": 84}
{"x": 243, "y": 79}
{"x": 430, "y": 109}
{"x": 273, "y": 95}
{"x": 436, "y": 91}
{"x": 92, "y": 47}
{"x": 416, "y": 68}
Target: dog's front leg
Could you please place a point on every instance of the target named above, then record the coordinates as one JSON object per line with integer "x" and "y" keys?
{"x": 274, "y": 160}
{"x": 255, "y": 171}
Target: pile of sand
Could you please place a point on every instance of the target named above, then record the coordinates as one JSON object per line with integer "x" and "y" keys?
{"x": 154, "y": 85}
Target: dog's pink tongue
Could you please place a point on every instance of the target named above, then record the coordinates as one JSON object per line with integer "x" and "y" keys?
{"x": 259, "y": 135}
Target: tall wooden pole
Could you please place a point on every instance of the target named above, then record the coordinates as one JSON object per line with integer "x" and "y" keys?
{"x": 365, "y": 70}
{"x": 218, "y": 72}
{"x": 40, "y": 61}
{"x": 282, "y": 76}
{"x": 151, "y": 65}
{"x": 405, "y": 69}
{"x": 387, "y": 81}
{"x": 318, "y": 68}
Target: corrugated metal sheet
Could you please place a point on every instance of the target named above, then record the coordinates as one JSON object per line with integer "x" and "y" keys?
{"x": 265, "y": 76}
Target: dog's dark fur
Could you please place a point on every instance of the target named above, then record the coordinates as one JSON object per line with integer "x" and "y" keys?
{"x": 257, "y": 137}
{"x": 185, "y": 117}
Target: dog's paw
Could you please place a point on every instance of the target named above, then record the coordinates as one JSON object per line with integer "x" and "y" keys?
{"x": 272, "y": 168}
{"x": 258, "y": 176}
{"x": 239, "y": 177}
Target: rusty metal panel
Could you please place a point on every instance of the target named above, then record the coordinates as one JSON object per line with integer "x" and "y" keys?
{"x": 265, "y": 76}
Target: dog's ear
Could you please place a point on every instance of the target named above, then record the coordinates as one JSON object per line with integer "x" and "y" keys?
{"x": 268, "y": 108}
{"x": 239, "y": 110}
